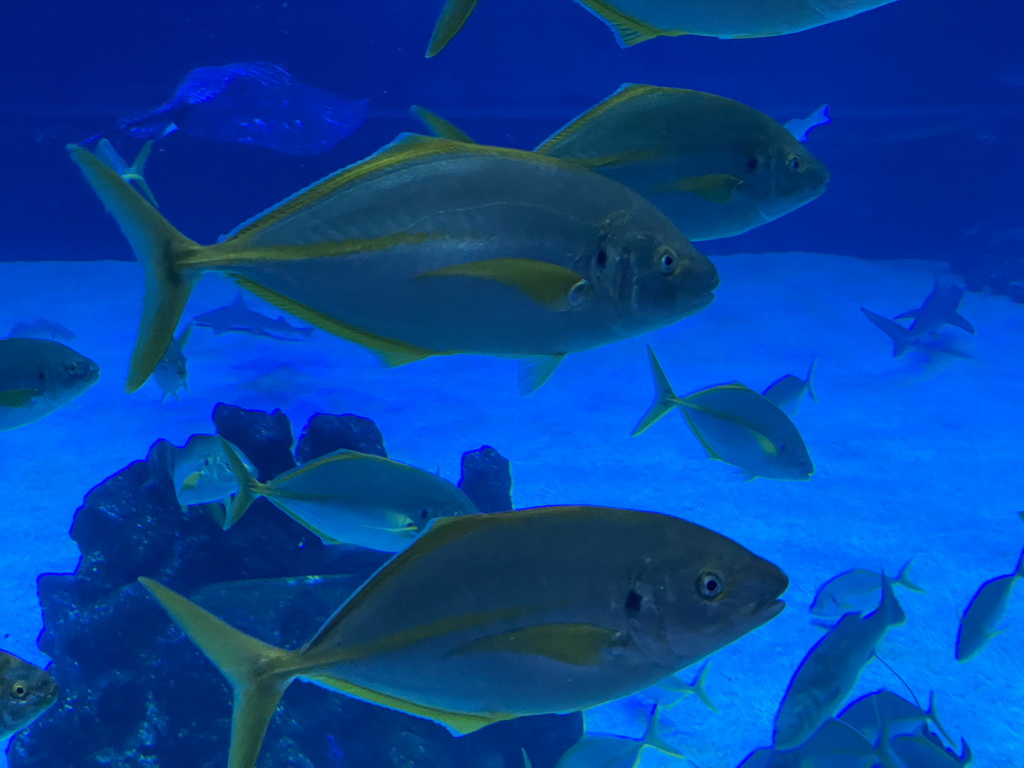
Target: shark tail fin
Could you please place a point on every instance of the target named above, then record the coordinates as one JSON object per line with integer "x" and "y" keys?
{"x": 961, "y": 322}
{"x": 903, "y": 578}
{"x": 664, "y": 397}
{"x": 652, "y": 738}
{"x": 258, "y": 672}
{"x": 900, "y": 336}
{"x": 249, "y": 488}
{"x": 159, "y": 247}
{"x": 453, "y": 17}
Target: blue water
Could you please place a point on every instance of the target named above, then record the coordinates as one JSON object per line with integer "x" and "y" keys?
{"x": 916, "y": 457}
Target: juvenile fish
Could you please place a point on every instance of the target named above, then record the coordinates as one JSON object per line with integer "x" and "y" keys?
{"x": 38, "y": 376}
{"x": 26, "y": 692}
{"x": 736, "y": 425}
{"x": 134, "y": 173}
{"x": 830, "y": 670}
{"x": 715, "y": 166}
{"x": 855, "y": 591}
{"x": 434, "y": 247}
{"x": 171, "y": 373}
{"x": 491, "y": 617}
{"x": 788, "y": 391}
{"x": 983, "y": 613}
{"x": 605, "y": 750}
{"x": 347, "y": 497}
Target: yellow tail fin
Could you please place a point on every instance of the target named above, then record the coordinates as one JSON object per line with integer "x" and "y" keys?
{"x": 453, "y": 17}
{"x": 257, "y": 671}
{"x": 159, "y": 247}
{"x": 664, "y": 398}
{"x": 249, "y": 488}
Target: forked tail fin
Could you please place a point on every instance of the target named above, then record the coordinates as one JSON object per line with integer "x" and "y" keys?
{"x": 664, "y": 398}
{"x": 900, "y": 336}
{"x": 249, "y": 488}
{"x": 256, "y": 670}
{"x": 159, "y": 247}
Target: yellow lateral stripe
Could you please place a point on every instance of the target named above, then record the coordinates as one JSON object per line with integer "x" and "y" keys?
{"x": 391, "y": 351}
{"x": 406, "y": 149}
{"x": 231, "y": 253}
{"x": 458, "y": 721}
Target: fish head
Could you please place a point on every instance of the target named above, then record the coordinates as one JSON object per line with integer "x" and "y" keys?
{"x": 715, "y": 591}
{"x": 783, "y": 175}
{"x": 64, "y": 374}
{"x": 26, "y": 691}
{"x": 792, "y": 461}
{"x": 649, "y": 271}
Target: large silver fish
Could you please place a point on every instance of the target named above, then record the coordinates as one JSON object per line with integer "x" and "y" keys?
{"x": 434, "y": 247}
{"x": 491, "y": 617}
{"x": 38, "y": 376}
{"x": 26, "y": 691}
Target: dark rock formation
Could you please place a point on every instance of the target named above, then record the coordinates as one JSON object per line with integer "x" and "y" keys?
{"x": 325, "y": 433}
{"x": 486, "y": 479}
{"x": 138, "y": 693}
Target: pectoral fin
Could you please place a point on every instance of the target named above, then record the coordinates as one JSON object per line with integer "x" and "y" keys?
{"x": 716, "y": 187}
{"x": 534, "y": 371}
{"x": 547, "y": 284}
{"x": 16, "y": 398}
{"x": 581, "y": 645}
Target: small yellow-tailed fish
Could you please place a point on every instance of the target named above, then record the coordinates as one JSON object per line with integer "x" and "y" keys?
{"x": 434, "y": 247}
{"x": 736, "y": 425}
{"x": 636, "y": 21}
{"x": 348, "y": 497}
{"x": 830, "y": 670}
{"x": 491, "y": 617}
{"x": 715, "y": 166}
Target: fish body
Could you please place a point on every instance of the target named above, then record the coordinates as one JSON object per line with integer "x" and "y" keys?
{"x": 38, "y": 376}
{"x": 940, "y": 307}
{"x": 635, "y": 21}
{"x": 788, "y": 391}
{"x": 801, "y": 127}
{"x": 491, "y": 617}
{"x": 238, "y": 317}
{"x": 980, "y": 619}
{"x": 715, "y": 166}
{"x": 601, "y": 750}
{"x": 171, "y": 373}
{"x": 26, "y": 692}
{"x": 868, "y": 713}
{"x": 432, "y": 247}
{"x": 134, "y": 173}
{"x": 855, "y": 591}
{"x": 830, "y": 670}
{"x": 42, "y": 329}
{"x": 736, "y": 425}
{"x": 348, "y": 497}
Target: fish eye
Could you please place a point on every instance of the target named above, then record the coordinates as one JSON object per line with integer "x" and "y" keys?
{"x": 752, "y": 164}
{"x": 667, "y": 261}
{"x": 710, "y": 585}
{"x": 19, "y": 690}
{"x": 794, "y": 163}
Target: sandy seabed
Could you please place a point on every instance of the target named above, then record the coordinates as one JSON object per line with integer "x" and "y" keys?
{"x": 917, "y": 457}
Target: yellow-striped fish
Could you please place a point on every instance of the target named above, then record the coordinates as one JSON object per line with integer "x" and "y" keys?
{"x": 492, "y": 617}
{"x": 434, "y": 247}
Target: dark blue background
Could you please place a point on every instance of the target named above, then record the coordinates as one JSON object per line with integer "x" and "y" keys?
{"x": 925, "y": 150}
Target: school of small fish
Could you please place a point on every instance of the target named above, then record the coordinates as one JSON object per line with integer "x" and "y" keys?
{"x": 438, "y": 245}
